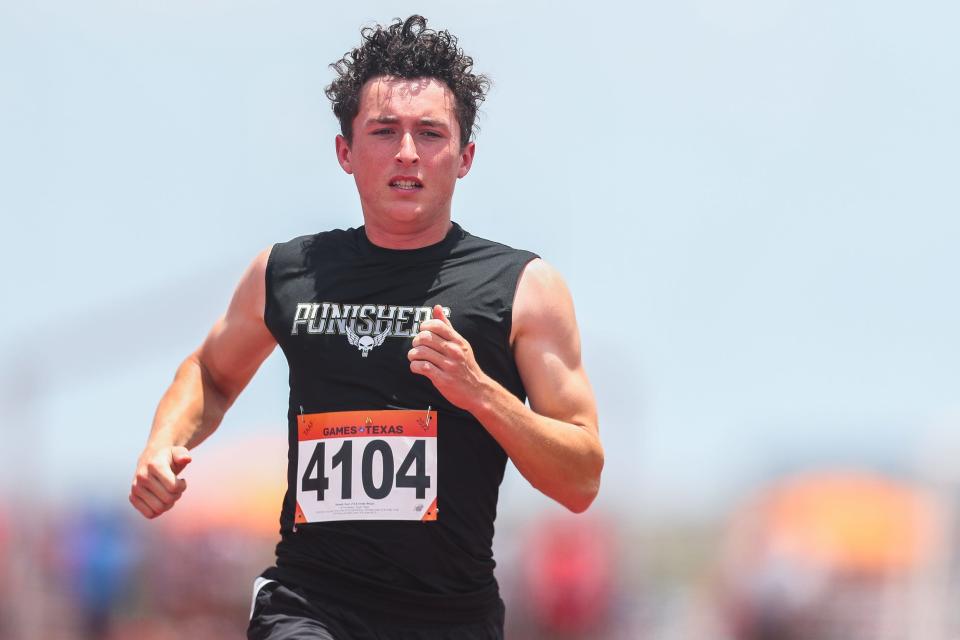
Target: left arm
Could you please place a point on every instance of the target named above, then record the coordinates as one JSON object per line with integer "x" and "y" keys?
{"x": 555, "y": 443}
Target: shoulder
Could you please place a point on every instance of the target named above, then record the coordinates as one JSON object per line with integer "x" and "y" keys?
{"x": 251, "y": 290}
{"x": 543, "y": 302}
{"x": 540, "y": 275}
{"x": 540, "y": 283}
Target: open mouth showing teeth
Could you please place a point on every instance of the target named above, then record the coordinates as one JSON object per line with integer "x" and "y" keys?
{"x": 406, "y": 184}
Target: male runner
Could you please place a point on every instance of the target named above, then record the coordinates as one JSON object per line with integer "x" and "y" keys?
{"x": 412, "y": 346}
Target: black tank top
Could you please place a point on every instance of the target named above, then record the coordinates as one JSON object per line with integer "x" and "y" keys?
{"x": 344, "y": 312}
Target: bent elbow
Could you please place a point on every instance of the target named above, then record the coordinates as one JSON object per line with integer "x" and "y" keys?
{"x": 582, "y": 502}
{"x": 590, "y": 488}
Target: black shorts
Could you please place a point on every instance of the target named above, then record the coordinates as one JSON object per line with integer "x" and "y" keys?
{"x": 285, "y": 613}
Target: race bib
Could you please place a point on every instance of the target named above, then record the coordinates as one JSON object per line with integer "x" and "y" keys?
{"x": 367, "y": 465}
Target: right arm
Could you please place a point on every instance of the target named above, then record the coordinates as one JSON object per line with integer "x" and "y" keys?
{"x": 204, "y": 387}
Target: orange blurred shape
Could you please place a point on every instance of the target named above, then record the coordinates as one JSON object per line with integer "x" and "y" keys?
{"x": 850, "y": 520}
{"x": 237, "y": 484}
{"x": 808, "y": 555}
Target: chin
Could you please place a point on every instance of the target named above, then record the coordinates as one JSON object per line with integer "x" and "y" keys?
{"x": 404, "y": 215}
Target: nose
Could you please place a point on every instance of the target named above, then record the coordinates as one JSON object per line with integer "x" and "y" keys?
{"x": 407, "y": 154}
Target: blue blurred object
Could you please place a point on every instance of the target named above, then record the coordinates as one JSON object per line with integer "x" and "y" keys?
{"x": 98, "y": 556}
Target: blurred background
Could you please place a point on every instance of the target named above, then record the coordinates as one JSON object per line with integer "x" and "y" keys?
{"x": 754, "y": 202}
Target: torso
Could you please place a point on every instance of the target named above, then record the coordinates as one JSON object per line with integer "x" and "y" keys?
{"x": 344, "y": 312}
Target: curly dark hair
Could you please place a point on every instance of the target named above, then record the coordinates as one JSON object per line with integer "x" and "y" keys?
{"x": 407, "y": 49}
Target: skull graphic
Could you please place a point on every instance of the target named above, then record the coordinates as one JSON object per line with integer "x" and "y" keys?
{"x": 366, "y": 343}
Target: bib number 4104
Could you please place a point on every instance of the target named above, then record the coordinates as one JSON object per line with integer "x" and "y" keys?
{"x": 410, "y": 474}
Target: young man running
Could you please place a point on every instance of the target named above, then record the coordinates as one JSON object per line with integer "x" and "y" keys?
{"x": 412, "y": 346}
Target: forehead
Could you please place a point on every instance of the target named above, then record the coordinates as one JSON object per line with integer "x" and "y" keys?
{"x": 419, "y": 97}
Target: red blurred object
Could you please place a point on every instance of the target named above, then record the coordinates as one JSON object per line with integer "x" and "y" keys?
{"x": 4, "y": 534}
{"x": 568, "y": 568}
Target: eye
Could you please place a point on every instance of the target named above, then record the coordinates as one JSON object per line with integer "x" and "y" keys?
{"x": 432, "y": 134}
{"x": 381, "y": 132}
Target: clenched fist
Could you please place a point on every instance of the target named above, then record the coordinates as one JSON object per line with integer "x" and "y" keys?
{"x": 444, "y": 356}
{"x": 156, "y": 486}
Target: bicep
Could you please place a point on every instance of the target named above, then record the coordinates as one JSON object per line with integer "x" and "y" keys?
{"x": 547, "y": 348}
{"x": 239, "y": 341}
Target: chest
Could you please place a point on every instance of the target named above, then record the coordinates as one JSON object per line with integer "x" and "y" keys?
{"x": 366, "y": 318}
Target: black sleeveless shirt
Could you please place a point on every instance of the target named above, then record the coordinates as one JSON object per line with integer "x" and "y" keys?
{"x": 344, "y": 312}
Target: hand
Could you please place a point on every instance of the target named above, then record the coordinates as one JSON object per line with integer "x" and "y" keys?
{"x": 156, "y": 486}
{"x": 444, "y": 356}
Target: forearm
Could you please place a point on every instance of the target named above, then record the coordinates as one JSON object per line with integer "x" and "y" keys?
{"x": 190, "y": 410}
{"x": 561, "y": 459}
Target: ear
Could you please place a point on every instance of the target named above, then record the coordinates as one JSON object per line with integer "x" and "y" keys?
{"x": 343, "y": 154}
{"x": 466, "y": 159}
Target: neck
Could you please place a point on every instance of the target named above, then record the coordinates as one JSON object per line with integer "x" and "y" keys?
{"x": 404, "y": 236}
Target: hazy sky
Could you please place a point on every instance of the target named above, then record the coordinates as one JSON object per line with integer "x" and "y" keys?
{"x": 755, "y": 204}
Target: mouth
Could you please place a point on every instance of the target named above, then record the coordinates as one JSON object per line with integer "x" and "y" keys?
{"x": 406, "y": 184}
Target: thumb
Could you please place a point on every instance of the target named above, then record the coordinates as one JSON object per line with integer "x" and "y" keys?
{"x": 181, "y": 458}
{"x": 438, "y": 314}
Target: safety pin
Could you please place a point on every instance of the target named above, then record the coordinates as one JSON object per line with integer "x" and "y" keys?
{"x": 428, "y": 414}
{"x": 295, "y": 516}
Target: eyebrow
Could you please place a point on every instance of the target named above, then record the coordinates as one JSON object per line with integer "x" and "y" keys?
{"x": 429, "y": 122}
